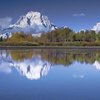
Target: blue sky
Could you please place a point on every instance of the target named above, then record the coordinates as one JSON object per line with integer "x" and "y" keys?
{"x": 76, "y": 14}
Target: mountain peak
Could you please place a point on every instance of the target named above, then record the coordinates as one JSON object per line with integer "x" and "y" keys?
{"x": 33, "y": 19}
{"x": 33, "y": 14}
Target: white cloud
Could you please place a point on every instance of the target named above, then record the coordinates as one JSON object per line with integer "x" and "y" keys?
{"x": 5, "y": 69}
{"x": 78, "y": 76}
{"x": 5, "y": 22}
{"x": 96, "y": 27}
{"x": 79, "y": 15}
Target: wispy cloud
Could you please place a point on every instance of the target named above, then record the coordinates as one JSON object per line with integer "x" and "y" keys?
{"x": 78, "y": 15}
{"x": 78, "y": 76}
{"x": 5, "y": 22}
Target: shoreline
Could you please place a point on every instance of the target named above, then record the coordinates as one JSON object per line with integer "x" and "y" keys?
{"x": 49, "y": 47}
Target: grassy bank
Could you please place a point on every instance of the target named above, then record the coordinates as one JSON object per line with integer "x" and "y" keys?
{"x": 52, "y": 47}
{"x": 61, "y": 44}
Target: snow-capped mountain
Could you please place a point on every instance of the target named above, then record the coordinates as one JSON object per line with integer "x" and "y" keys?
{"x": 32, "y": 69}
{"x": 32, "y": 22}
{"x": 96, "y": 27}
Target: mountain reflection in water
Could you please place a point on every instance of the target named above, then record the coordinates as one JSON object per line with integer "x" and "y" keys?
{"x": 33, "y": 64}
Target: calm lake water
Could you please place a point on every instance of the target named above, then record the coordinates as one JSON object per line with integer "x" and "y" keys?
{"x": 43, "y": 74}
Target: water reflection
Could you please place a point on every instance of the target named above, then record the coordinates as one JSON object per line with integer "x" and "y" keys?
{"x": 97, "y": 65}
{"x": 33, "y": 64}
{"x": 31, "y": 68}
